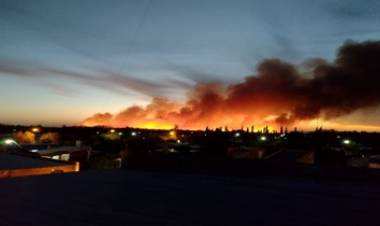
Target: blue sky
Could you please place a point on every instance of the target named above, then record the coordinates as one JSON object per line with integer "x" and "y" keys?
{"x": 61, "y": 61}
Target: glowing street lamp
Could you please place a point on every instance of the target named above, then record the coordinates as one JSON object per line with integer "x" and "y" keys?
{"x": 237, "y": 134}
{"x": 112, "y": 131}
{"x": 346, "y": 141}
{"x": 172, "y": 133}
{"x": 133, "y": 134}
{"x": 35, "y": 130}
{"x": 263, "y": 138}
{"x": 9, "y": 142}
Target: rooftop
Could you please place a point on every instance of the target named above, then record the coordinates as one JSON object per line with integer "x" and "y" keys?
{"x": 21, "y": 165}
{"x": 147, "y": 198}
{"x": 13, "y": 161}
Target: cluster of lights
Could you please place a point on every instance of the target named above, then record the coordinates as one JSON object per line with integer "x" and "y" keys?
{"x": 114, "y": 131}
{"x": 111, "y": 131}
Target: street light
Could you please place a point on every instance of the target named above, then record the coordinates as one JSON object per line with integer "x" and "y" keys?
{"x": 11, "y": 142}
{"x": 263, "y": 138}
{"x": 346, "y": 141}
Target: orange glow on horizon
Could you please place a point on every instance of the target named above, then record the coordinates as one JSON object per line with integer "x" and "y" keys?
{"x": 307, "y": 125}
{"x": 165, "y": 115}
{"x": 155, "y": 125}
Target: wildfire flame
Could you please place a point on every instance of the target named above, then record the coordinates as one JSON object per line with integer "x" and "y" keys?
{"x": 156, "y": 125}
{"x": 279, "y": 94}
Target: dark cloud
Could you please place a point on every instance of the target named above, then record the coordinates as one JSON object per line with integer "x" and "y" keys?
{"x": 278, "y": 93}
{"x": 335, "y": 89}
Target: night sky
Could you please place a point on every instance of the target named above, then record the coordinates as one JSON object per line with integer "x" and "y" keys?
{"x": 63, "y": 61}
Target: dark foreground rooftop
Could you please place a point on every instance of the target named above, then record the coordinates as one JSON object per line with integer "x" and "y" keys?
{"x": 144, "y": 198}
{"x": 20, "y": 165}
{"x": 11, "y": 161}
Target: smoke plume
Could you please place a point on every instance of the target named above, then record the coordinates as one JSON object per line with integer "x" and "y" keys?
{"x": 279, "y": 93}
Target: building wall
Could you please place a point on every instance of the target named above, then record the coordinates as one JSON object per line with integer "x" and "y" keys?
{"x": 9, "y": 173}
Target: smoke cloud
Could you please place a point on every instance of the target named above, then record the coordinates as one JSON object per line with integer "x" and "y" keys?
{"x": 279, "y": 93}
